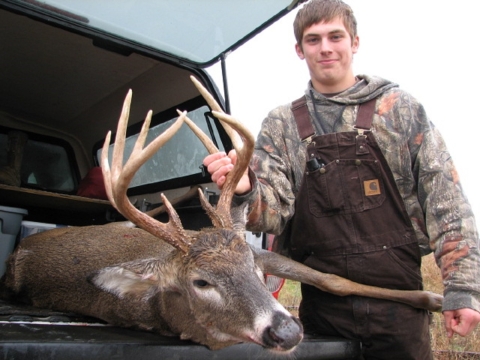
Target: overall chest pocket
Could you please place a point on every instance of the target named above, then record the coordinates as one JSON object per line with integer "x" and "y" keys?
{"x": 345, "y": 186}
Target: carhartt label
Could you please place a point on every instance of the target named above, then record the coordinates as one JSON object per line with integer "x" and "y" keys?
{"x": 372, "y": 187}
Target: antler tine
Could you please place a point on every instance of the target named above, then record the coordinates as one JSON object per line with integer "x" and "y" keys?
{"x": 244, "y": 154}
{"x": 207, "y": 142}
{"x": 234, "y": 137}
{"x": 106, "y": 169}
{"x": 218, "y": 220}
{"x": 119, "y": 177}
{"x": 109, "y": 175}
{"x": 221, "y": 217}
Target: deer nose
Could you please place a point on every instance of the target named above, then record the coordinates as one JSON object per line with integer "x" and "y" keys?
{"x": 284, "y": 333}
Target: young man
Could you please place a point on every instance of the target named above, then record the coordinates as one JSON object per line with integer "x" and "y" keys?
{"x": 357, "y": 182}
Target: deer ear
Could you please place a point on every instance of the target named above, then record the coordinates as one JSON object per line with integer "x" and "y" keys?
{"x": 137, "y": 278}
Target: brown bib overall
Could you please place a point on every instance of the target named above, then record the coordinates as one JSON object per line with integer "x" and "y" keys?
{"x": 350, "y": 220}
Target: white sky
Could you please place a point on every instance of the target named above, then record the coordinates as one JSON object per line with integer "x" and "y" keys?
{"x": 428, "y": 47}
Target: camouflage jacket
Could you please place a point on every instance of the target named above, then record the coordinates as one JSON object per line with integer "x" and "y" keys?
{"x": 416, "y": 153}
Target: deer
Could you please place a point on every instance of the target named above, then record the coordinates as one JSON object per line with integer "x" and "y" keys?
{"x": 206, "y": 286}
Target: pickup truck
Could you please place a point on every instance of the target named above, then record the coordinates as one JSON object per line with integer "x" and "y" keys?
{"x": 65, "y": 67}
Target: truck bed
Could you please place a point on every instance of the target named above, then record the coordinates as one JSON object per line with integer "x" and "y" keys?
{"x": 30, "y": 333}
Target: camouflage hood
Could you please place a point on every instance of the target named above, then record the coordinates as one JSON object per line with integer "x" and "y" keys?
{"x": 367, "y": 88}
{"x": 328, "y": 111}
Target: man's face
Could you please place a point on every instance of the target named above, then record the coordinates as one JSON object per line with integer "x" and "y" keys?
{"x": 328, "y": 50}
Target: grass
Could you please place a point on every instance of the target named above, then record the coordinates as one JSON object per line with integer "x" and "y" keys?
{"x": 456, "y": 348}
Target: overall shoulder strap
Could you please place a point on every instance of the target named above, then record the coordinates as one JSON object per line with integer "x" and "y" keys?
{"x": 365, "y": 114}
{"x": 302, "y": 118}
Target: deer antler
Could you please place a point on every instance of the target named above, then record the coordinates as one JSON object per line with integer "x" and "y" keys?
{"x": 119, "y": 177}
{"x": 244, "y": 154}
{"x": 243, "y": 143}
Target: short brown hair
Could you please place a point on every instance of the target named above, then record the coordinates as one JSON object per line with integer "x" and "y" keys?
{"x": 317, "y": 11}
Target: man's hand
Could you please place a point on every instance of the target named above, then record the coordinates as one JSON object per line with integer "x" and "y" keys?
{"x": 219, "y": 165}
{"x": 461, "y": 321}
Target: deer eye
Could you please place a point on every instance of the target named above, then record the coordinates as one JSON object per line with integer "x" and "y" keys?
{"x": 200, "y": 283}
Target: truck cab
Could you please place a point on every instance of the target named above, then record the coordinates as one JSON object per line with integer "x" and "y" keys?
{"x": 65, "y": 68}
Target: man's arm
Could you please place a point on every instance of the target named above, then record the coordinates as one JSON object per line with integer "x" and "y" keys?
{"x": 268, "y": 186}
{"x": 450, "y": 225}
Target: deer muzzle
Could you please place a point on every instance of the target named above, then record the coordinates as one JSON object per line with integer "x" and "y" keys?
{"x": 284, "y": 334}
